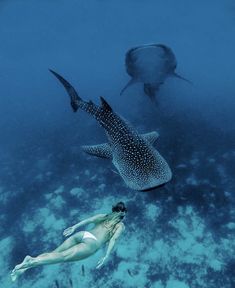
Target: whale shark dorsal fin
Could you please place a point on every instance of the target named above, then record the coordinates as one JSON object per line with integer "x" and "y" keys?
{"x": 105, "y": 104}
{"x": 131, "y": 82}
{"x": 150, "y": 137}
{"x": 100, "y": 150}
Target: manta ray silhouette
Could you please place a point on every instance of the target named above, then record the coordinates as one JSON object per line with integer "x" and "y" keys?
{"x": 150, "y": 64}
{"x": 136, "y": 160}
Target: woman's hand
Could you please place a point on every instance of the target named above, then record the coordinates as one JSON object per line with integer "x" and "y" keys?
{"x": 67, "y": 232}
{"x": 101, "y": 262}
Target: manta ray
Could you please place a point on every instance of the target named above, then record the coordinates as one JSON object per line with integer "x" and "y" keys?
{"x": 137, "y": 161}
{"x": 150, "y": 64}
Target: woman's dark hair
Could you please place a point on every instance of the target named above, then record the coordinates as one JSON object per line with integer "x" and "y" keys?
{"x": 119, "y": 207}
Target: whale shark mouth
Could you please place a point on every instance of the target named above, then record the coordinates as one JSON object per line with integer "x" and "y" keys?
{"x": 153, "y": 188}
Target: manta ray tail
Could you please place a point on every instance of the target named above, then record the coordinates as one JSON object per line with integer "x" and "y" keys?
{"x": 131, "y": 82}
{"x": 181, "y": 77}
{"x": 75, "y": 99}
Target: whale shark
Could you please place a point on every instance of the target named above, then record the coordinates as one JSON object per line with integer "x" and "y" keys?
{"x": 150, "y": 64}
{"x": 135, "y": 158}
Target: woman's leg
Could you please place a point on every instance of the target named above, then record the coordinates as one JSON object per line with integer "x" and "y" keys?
{"x": 75, "y": 253}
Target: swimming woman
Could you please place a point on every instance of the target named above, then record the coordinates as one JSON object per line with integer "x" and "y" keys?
{"x": 107, "y": 228}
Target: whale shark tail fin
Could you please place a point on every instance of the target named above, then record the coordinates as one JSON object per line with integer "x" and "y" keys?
{"x": 75, "y": 99}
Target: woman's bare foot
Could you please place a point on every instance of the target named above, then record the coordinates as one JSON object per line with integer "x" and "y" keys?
{"x": 21, "y": 268}
{"x": 16, "y": 273}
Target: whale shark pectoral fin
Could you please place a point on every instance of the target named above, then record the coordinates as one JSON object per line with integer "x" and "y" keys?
{"x": 182, "y": 78}
{"x": 150, "y": 137}
{"x": 131, "y": 82}
{"x": 101, "y": 150}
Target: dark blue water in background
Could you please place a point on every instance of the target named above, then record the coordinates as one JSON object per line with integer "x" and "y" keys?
{"x": 181, "y": 235}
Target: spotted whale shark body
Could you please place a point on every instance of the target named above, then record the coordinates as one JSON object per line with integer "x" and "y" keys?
{"x": 136, "y": 160}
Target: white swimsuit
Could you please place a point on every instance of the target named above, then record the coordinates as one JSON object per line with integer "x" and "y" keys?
{"x": 88, "y": 235}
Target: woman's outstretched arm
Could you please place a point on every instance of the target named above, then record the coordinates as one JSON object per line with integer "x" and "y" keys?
{"x": 92, "y": 219}
{"x": 111, "y": 244}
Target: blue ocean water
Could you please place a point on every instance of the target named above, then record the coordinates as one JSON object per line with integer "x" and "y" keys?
{"x": 177, "y": 236}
